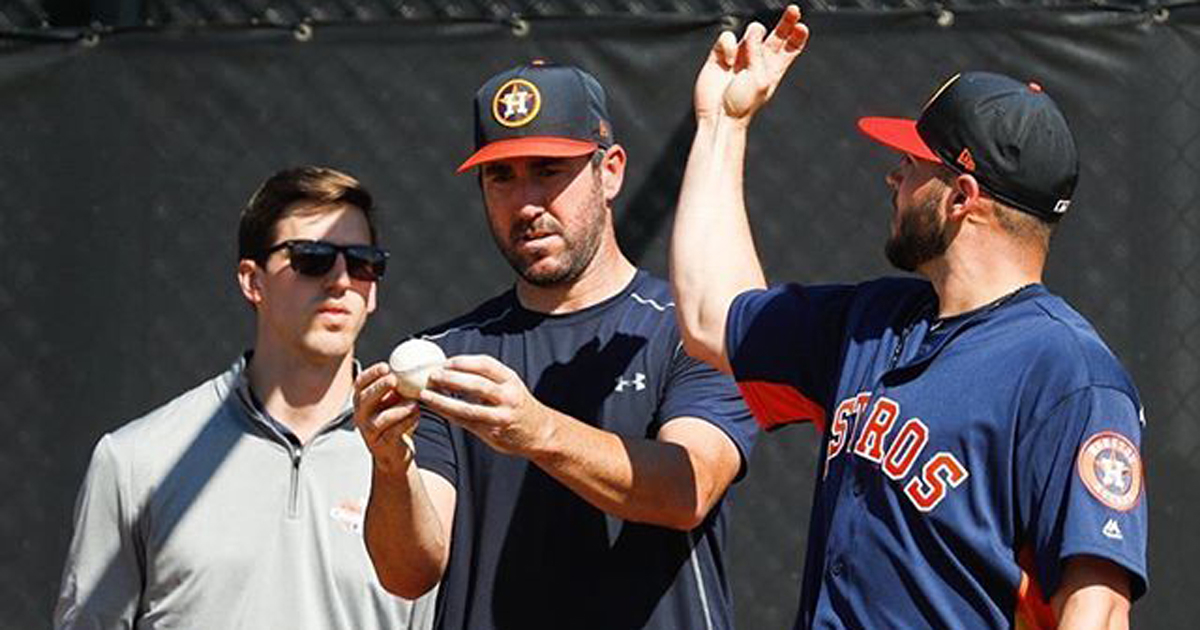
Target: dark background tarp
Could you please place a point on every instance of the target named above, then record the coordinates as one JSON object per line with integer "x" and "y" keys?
{"x": 124, "y": 159}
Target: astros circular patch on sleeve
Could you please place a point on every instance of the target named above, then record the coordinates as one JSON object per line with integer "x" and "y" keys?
{"x": 1111, "y": 468}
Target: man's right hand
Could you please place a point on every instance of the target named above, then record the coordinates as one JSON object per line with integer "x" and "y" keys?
{"x": 409, "y": 511}
{"x": 385, "y": 419}
{"x": 739, "y": 77}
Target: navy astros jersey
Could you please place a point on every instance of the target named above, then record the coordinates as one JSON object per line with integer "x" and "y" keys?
{"x": 526, "y": 551}
{"x": 963, "y": 460}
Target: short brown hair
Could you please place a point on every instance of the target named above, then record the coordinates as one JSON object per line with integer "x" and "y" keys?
{"x": 1024, "y": 225}
{"x": 269, "y": 204}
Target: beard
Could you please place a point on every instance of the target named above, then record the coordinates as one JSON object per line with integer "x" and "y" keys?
{"x": 920, "y": 237}
{"x": 579, "y": 249}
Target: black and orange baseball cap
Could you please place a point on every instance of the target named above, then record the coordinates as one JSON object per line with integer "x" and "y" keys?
{"x": 539, "y": 110}
{"x": 1008, "y": 134}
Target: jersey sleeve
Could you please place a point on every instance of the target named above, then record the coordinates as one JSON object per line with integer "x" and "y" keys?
{"x": 435, "y": 450}
{"x": 783, "y": 346}
{"x": 695, "y": 389}
{"x": 102, "y": 579}
{"x": 1081, "y": 485}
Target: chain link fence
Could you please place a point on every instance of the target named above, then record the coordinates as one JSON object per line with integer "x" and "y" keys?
{"x": 127, "y": 153}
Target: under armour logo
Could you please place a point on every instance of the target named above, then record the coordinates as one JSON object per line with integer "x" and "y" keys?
{"x": 638, "y": 383}
{"x": 1112, "y": 530}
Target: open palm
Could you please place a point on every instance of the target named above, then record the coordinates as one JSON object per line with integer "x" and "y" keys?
{"x": 739, "y": 77}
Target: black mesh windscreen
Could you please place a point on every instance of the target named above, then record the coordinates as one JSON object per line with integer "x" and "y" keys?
{"x": 125, "y": 158}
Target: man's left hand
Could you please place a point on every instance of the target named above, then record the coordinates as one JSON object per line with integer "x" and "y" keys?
{"x": 485, "y": 397}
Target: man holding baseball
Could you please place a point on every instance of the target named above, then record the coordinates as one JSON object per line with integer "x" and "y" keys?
{"x": 239, "y": 504}
{"x": 980, "y": 443}
{"x": 570, "y": 459}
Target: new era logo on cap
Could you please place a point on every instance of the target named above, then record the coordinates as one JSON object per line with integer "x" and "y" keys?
{"x": 539, "y": 110}
{"x": 1009, "y": 135}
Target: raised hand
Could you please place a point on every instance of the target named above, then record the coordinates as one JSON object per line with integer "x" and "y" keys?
{"x": 739, "y": 77}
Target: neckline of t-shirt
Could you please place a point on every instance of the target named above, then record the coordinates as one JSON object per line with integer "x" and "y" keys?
{"x": 937, "y": 335}
{"x": 595, "y": 310}
{"x": 939, "y": 325}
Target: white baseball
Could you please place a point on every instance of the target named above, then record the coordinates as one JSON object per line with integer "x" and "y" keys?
{"x": 413, "y": 361}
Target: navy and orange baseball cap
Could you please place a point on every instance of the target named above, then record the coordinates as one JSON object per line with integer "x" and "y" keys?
{"x": 1008, "y": 134}
{"x": 539, "y": 110}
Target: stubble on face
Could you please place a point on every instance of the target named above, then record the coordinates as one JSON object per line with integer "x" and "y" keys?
{"x": 581, "y": 235}
{"x": 920, "y": 236}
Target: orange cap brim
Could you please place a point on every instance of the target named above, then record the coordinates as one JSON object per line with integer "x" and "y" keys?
{"x": 531, "y": 146}
{"x": 899, "y": 134}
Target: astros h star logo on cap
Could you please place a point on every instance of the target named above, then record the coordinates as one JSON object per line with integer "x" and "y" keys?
{"x": 516, "y": 103}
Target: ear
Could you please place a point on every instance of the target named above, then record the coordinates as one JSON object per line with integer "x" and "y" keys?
{"x": 371, "y": 297}
{"x": 250, "y": 281}
{"x": 612, "y": 170}
{"x": 965, "y": 195}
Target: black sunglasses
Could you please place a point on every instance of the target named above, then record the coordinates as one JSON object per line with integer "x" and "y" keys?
{"x": 316, "y": 258}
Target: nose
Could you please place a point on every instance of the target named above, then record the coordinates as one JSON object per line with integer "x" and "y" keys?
{"x": 531, "y": 198}
{"x": 894, "y": 175}
{"x": 338, "y": 275}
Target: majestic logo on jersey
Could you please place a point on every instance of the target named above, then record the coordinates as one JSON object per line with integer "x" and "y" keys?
{"x": 1111, "y": 469}
{"x": 638, "y": 383}
{"x": 516, "y": 103}
{"x": 1112, "y": 530}
{"x": 898, "y": 456}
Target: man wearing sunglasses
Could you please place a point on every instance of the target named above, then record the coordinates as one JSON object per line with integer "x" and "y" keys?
{"x": 239, "y": 504}
{"x": 571, "y": 461}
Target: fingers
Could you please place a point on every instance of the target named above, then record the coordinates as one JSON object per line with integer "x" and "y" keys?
{"x": 379, "y": 411}
{"x": 755, "y": 49}
{"x": 370, "y": 375}
{"x": 755, "y": 31}
{"x": 790, "y": 34}
{"x": 484, "y": 365}
{"x": 372, "y": 389}
{"x": 473, "y": 385}
{"x": 725, "y": 49}
{"x": 452, "y": 408}
{"x": 399, "y": 419}
{"x": 797, "y": 40}
{"x": 388, "y": 436}
{"x": 748, "y": 47}
{"x": 398, "y": 423}
{"x": 786, "y": 28}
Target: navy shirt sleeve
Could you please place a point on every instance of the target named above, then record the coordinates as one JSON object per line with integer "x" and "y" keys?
{"x": 1081, "y": 487}
{"x": 783, "y": 344}
{"x": 697, "y": 390}
{"x": 435, "y": 451}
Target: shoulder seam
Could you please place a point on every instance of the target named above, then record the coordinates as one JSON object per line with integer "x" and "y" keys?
{"x": 1065, "y": 397}
{"x": 651, "y": 303}
{"x": 474, "y": 326}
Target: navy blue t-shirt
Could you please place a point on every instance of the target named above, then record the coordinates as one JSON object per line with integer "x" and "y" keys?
{"x": 526, "y": 551}
{"x": 962, "y": 461}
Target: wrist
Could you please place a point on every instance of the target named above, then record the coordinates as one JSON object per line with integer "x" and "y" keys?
{"x": 722, "y": 125}
{"x": 545, "y": 446}
{"x": 395, "y": 469}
